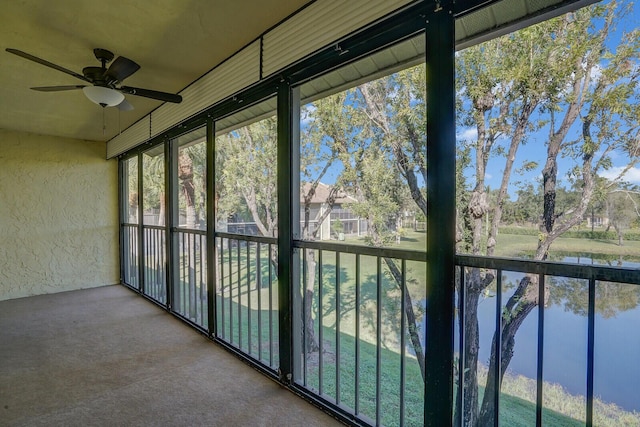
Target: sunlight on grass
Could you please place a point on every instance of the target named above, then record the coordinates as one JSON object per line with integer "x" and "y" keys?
{"x": 248, "y": 306}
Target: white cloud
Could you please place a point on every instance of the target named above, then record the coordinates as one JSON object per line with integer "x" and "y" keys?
{"x": 632, "y": 175}
{"x": 596, "y": 73}
{"x": 305, "y": 118}
{"x": 468, "y": 134}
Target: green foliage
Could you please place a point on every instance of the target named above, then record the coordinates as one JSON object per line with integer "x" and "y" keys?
{"x": 245, "y": 179}
{"x": 153, "y": 193}
{"x": 621, "y": 207}
{"x": 194, "y": 158}
{"x": 380, "y": 190}
{"x": 527, "y": 208}
{"x": 395, "y": 111}
{"x": 337, "y": 226}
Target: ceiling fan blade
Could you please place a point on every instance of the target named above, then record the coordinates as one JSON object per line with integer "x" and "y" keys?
{"x": 120, "y": 69}
{"x": 57, "y": 88}
{"x": 46, "y": 63}
{"x": 125, "y": 106}
{"x": 154, "y": 94}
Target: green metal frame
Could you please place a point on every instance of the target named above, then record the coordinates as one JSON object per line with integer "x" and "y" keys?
{"x": 441, "y": 214}
{"x": 285, "y": 232}
{"x": 436, "y": 21}
{"x": 211, "y": 226}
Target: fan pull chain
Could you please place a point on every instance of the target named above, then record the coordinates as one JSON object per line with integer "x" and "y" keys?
{"x": 104, "y": 123}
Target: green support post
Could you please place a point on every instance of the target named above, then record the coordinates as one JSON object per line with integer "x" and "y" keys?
{"x": 211, "y": 224}
{"x": 171, "y": 215}
{"x": 141, "y": 248}
{"x": 285, "y": 230}
{"x": 441, "y": 214}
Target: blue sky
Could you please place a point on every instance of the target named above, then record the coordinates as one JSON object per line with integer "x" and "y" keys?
{"x": 535, "y": 148}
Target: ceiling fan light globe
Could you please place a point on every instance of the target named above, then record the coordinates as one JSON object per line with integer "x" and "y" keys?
{"x": 103, "y": 96}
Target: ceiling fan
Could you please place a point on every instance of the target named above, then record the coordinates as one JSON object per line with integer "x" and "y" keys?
{"x": 105, "y": 83}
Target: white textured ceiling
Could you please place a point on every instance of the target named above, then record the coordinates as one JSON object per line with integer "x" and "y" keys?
{"x": 174, "y": 42}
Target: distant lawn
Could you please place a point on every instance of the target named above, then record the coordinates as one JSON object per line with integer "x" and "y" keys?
{"x": 519, "y": 245}
{"x": 511, "y": 245}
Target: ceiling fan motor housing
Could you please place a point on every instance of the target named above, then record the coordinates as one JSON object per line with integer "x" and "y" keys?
{"x": 103, "y": 55}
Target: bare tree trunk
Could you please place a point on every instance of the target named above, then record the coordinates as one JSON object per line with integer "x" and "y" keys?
{"x": 185, "y": 175}
{"x": 518, "y": 135}
{"x": 470, "y": 371}
{"x": 526, "y": 296}
{"x": 475, "y": 284}
{"x": 310, "y": 339}
{"x": 163, "y": 208}
{"x": 619, "y": 232}
{"x": 412, "y": 325}
{"x": 519, "y": 306}
{"x": 311, "y": 342}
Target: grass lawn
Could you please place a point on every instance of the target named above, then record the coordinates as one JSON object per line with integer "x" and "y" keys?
{"x": 251, "y": 324}
{"x": 511, "y": 245}
{"x": 244, "y": 302}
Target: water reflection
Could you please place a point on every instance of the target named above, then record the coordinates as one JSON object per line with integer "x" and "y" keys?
{"x": 617, "y": 321}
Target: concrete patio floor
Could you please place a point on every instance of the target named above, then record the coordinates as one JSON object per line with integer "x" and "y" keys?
{"x": 106, "y": 356}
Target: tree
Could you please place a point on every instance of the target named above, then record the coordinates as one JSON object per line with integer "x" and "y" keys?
{"x": 326, "y": 141}
{"x": 611, "y": 298}
{"x": 621, "y": 209}
{"x": 500, "y": 93}
{"x": 187, "y": 188}
{"x": 538, "y": 78}
{"x": 557, "y": 78}
{"x": 361, "y": 132}
{"x": 395, "y": 108}
{"x": 526, "y": 209}
{"x": 192, "y": 179}
{"x": 247, "y": 159}
{"x": 246, "y": 179}
{"x": 569, "y": 74}
{"x": 249, "y": 173}
{"x": 153, "y": 192}
{"x": 191, "y": 167}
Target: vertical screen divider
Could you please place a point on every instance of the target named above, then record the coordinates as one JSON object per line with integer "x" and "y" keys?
{"x": 590, "y": 350}
{"x": 539, "y": 374}
{"x": 212, "y": 249}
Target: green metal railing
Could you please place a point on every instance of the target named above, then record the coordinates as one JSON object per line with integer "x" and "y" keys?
{"x": 247, "y": 296}
{"x": 360, "y": 314}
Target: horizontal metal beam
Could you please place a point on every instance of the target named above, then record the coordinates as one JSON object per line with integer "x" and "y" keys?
{"x": 363, "y": 250}
{"x": 246, "y": 238}
{"x": 549, "y": 268}
{"x": 188, "y": 231}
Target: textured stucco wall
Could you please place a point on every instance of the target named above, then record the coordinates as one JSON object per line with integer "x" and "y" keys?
{"x": 58, "y": 215}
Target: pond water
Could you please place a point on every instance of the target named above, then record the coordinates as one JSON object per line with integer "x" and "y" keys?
{"x": 617, "y": 338}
